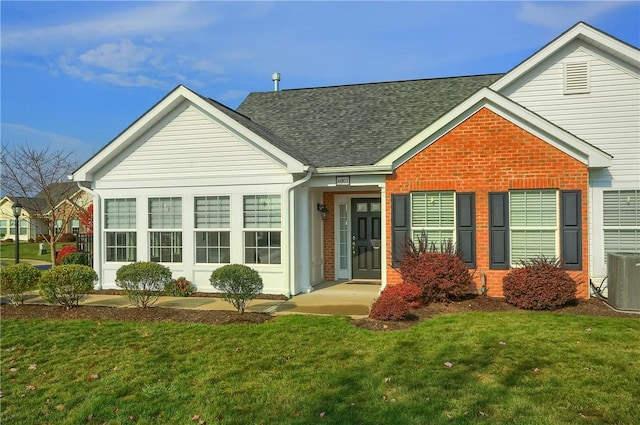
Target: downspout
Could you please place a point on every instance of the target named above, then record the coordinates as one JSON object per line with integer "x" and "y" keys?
{"x": 290, "y": 271}
{"x": 97, "y": 242}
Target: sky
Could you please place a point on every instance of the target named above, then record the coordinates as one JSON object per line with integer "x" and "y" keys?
{"x": 75, "y": 74}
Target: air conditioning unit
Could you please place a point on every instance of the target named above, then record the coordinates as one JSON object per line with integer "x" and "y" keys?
{"x": 624, "y": 280}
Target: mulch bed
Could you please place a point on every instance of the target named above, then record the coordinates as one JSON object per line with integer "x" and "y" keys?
{"x": 591, "y": 307}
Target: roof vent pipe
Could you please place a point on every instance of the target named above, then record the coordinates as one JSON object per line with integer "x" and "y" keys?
{"x": 276, "y": 81}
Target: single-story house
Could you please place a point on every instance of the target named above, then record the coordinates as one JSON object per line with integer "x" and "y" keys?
{"x": 316, "y": 184}
{"x": 69, "y": 204}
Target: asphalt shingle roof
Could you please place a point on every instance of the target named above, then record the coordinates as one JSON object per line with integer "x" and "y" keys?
{"x": 355, "y": 124}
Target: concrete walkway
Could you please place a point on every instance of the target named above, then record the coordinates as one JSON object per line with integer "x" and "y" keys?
{"x": 328, "y": 298}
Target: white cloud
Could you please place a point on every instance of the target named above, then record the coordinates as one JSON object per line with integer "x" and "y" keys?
{"x": 207, "y": 66}
{"x": 122, "y": 56}
{"x": 560, "y": 16}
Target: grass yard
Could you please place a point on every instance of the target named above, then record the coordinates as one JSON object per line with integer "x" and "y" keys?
{"x": 28, "y": 251}
{"x": 486, "y": 368}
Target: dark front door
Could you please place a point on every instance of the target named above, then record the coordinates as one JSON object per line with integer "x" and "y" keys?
{"x": 366, "y": 238}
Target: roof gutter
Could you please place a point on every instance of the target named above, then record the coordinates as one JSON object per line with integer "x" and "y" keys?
{"x": 356, "y": 169}
{"x": 97, "y": 242}
{"x": 290, "y": 270}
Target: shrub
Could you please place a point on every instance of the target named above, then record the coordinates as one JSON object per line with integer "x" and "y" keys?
{"x": 439, "y": 274}
{"x": 239, "y": 284}
{"x": 17, "y": 279}
{"x": 179, "y": 287}
{"x": 8, "y": 240}
{"x": 389, "y": 306}
{"x": 143, "y": 282}
{"x": 67, "y": 237}
{"x": 66, "y": 250}
{"x": 76, "y": 258}
{"x": 410, "y": 294}
{"x": 539, "y": 284}
{"x": 67, "y": 285}
{"x": 31, "y": 240}
{"x": 42, "y": 238}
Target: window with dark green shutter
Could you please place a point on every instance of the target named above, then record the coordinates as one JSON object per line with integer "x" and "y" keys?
{"x": 400, "y": 220}
{"x": 499, "y": 230}
{"x": 433, "y": 217}
{"x": 466, "y": 227}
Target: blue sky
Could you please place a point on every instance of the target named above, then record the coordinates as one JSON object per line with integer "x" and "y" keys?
{"x": 75, "y": 74}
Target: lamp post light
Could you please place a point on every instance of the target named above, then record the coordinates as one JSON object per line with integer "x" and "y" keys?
{"x": 17, "y": 210}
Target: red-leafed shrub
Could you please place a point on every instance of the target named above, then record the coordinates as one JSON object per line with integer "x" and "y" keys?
{"x": 410, "y": 294}
{"x": 66, "y": 250}
{"x": 439, "y": 274}
{"x": 389, "y": 306}
{"x": 539, "y": 284}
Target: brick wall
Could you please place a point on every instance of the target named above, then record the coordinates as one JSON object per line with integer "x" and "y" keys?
{"x": 487, "y": 153}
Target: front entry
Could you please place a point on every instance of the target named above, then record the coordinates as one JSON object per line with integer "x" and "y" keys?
{"x": 366, "y": 238}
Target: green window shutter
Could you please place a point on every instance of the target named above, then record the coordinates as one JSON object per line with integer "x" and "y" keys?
{"x": 499, "y": 230}
{"x": 571, "y": 226}
{"x": 466, "y": 228}
{"x": 400, "y": 221}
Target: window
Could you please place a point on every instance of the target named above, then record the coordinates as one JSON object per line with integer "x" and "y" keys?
{"x": 262, "y": 212}
{"x": 75, "y": 226}
{"x": 212, "y": 219}
{"x": 432, "y": 217}
{"x": 58, "y": 226}
{"x": 4, "y": 228}
{"x": 165, "y": 246}
{"x": 533, "y": 217}
{"x": 621, "y": 221}
{"x": 120, "y": 226}
{"x": 23, "y": 227}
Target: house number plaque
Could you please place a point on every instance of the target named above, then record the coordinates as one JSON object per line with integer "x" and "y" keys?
{"x": 343, "y": 181}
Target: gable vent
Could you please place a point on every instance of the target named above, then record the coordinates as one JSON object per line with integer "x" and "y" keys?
{"x": 576, "y": 77}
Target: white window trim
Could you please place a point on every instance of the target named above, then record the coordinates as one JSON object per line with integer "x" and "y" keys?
{"x": 152, "y": 230}
{"x": 133, "y": 230}
{"x": 427, "y": 229}
{"x": 262, "y": 229}
{"x": 197, "y": 230}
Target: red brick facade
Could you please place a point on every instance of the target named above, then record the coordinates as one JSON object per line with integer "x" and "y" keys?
{"x": 487, "y": 153}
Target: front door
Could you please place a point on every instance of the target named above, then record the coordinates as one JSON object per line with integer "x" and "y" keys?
{"x": 366, "y": 238}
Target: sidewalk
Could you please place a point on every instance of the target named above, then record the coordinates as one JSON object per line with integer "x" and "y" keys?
{"x": 328, "y": 298}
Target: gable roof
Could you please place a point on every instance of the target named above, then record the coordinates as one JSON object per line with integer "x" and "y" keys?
{"x": 582, "y": 32}
{"x": 357, "y": 125}
{"x": 259, "y": 137}
{"x": 513, "y": 112}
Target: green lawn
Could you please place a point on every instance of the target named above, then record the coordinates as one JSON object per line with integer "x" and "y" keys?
{"x": 525, "y": 368}
{"x": 28, "y": 251}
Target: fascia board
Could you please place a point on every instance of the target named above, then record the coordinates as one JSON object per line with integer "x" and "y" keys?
{"x": 585, "y": 34}
{"x": 353, "y": 170}
{"x": 511, "y": 111}
{"x": 162, "y": 109}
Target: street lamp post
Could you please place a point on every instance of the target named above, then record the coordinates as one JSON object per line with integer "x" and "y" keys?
{"x": 17, "y": 210}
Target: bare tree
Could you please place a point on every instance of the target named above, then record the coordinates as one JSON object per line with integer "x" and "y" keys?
{"x": 38, "y": 177}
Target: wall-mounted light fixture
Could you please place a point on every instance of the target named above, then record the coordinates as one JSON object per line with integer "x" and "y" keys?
{"x": 323, "y": 211}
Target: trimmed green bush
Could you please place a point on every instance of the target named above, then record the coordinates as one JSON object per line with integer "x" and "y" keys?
{"x": 238, "y": 283}
{"x": 179, "y": 287}
{"x": 68, "y": 284}
{"x": 539, "y": 284}
{"x": 17, "y": 279}
{"x": 143, "y": 282}
{"x": 76, "y": 258}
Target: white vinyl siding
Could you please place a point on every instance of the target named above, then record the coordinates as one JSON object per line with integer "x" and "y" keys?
{"x": 533, "y": 218}
{"x": 190, "y": 140}
{"x": 621, "y": 221}
{"x": 120, "y": 229}
{"x": 165, "y": 246}
{"x": 606, "y": 117}
{"x": 433, "y": 217}
{"x": 212, "y": 217}
{"x": 262, "y": 212}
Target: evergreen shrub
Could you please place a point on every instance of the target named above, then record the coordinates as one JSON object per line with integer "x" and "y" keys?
{"x": 17, "y": 279}
{"x": 143, "y": 282}
{"x": 68, "y": 284}
{"x": 238, "y": 283}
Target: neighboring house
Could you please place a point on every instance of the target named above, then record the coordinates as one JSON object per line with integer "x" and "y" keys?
{"x": 69, "y": 201}
{"x": 318, "y": 184}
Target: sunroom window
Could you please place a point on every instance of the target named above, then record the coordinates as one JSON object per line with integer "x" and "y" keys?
{"x": 262, "y": 229}
{"x": 212, "y": 221}
{"x": 165, "y": 245}
{"x": 120, "y": 229}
